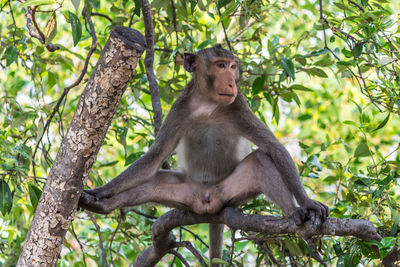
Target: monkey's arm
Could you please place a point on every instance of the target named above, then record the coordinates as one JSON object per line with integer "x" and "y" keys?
{"x": 253, "y": 129}
{"x": 148, "y": 164}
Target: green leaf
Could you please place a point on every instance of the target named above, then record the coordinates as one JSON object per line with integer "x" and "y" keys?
{"x": 345, "y": 63}
{"x": 205, "y": 44}
{"x": 258, "y": 84}
{"x": 95, "y": 4}
{"x": 138, "y": 7}
{"x": 222, "y": 3}
{"x": 51, "y": 79}
{"x": 50, "y": 30}
{"x": 288, "y": 66}
{"x": 34, "y": 195}
{"x": 132, "y": 157}
{"x": 395, "y": 225}
{"x": 219, "y": 261}
{"x": 302, "y": 60}
{"x": 394, "y": 164}
{"x": 10, "y": 55}
{"x": 293, "y": 247}
{"x": 315, "y": 162}
{"x": 386, "y": 246}
{"x": 37, "y": 3}
{"x": 383, "y": 123}
{"x": 362, "y": 150}
{"x": 317, "y": 72}
{"x": 300, "y": 88}
{"x": 304, "y": 117}
{"x": 5, "y": 198}
{"x": 358, "y": 49}
{"x": 319, "y": 52}
{"x": 76, "y": 27}
{"x": 76, "y": 4}
{"x": 344, "y": 7}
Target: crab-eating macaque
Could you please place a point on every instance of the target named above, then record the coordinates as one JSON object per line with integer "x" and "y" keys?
{"x": 210, "y": 126}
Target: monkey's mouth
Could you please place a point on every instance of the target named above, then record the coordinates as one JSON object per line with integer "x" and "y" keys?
{"x": 228, "y": 95}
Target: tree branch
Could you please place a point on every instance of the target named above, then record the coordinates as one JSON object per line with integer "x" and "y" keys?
{"x": 148, "y": 62}
{"x": 34, "y": 29}
{"x": 77, "y": 154}
{"x": 236, "y": 219}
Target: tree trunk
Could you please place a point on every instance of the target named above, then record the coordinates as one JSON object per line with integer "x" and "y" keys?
{"x": 80, "y": 146}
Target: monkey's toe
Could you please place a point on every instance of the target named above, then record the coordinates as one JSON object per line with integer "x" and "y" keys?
{"x": 299, "y": 216}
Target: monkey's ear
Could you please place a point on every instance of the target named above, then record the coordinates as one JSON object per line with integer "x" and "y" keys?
{"x": 189, "y": 62}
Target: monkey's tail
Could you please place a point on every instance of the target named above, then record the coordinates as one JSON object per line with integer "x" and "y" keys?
{"x": 216, "y": 232}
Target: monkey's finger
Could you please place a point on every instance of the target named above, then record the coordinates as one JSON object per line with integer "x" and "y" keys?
{"x": 324, "y": 211}
{"x": 297, "y": 219}
{"x": 327, "y": 212}
{"x": 317, "y": 221}
{"x": 312, "y": 217}
{"x": 299, "y": 216}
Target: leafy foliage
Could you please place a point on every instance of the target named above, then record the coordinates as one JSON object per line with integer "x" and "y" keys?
{"x": 329, "y": 84}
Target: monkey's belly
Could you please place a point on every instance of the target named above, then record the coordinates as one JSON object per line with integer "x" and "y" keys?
{"x": 209, "y": 157}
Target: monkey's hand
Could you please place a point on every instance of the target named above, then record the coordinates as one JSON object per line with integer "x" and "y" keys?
{"x": 312, "y": 210}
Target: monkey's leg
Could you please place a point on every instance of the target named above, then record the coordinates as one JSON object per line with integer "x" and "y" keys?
{"x": 169, "y": 188}
{"x": 256, "y": 174}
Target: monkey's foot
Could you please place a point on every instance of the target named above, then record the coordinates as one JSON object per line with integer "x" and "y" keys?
{"x": 98, "y": 193}
{"x": 312, "y": 210}
{"x": 90, "y": 203}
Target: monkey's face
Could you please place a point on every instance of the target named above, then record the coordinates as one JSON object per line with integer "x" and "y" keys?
{"x": 222, "y": 76}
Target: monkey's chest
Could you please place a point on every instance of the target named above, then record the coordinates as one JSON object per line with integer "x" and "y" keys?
{"x": 209, "y": 155}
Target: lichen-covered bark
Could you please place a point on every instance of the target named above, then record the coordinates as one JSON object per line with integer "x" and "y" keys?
{"x": 80, "y": 146}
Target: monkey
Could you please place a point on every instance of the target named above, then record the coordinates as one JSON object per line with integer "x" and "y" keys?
{"x": 211, "y": 128}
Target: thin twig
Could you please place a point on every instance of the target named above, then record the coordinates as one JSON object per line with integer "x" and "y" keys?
{"x": 79, "y": 242}
{"x": 113, "y": 235}
{"x": 39, "y": 31}
{"x": 322, "y": 20}
{"x": 174, "y": 21}
{"x": 103, "y": 252}
{"x": 192, "y": 249}
{"x": 148, "y": 62}
{"x": 269, "y": 253}
{"x": 223, "y": 27}
{"x": 179, "y": 256}
{"x": 233, "y": 231}
{"x": 15, "y": 25}
{"x": 356, "y": 5}
{"x": 102, "y": 15}
{"x": 195, "y": 236}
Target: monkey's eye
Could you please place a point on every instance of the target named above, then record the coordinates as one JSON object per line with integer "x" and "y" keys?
{"x": 233, "y": 66}
{"x": 221, "y": 65}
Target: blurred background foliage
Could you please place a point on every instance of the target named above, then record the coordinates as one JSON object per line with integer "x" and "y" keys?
{"x": 325, "y": 80}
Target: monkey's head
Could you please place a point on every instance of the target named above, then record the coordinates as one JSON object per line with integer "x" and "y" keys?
{"x": 215, "y": 73}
